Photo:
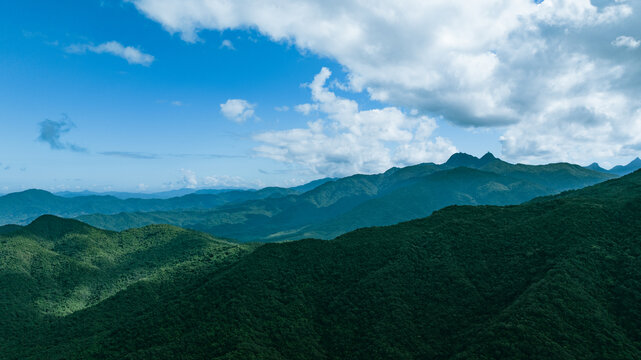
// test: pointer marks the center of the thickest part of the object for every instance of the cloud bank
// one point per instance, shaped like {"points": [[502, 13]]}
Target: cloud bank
{"points": [[350, 140], [557, 75]]}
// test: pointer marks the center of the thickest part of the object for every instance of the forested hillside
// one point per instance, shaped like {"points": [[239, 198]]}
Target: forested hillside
{"points": [[55, 267], [555, 278]]}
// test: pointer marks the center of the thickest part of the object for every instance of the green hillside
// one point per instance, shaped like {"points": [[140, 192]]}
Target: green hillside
{"points": [[342, 205], [55, 267], [555, 278]]}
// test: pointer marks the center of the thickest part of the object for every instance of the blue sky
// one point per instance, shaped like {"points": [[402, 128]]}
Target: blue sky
{"points": [[127, 95]]}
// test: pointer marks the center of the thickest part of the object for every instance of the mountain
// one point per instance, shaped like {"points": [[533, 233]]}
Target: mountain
{"points": [[25, 206], [342, 205], [312, 184], [618, 170], [634, 165], [130, 195], [6, 229], [55, 267], [555, 278], [596, 167]]}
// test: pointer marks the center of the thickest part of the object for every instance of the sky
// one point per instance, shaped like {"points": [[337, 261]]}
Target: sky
{"points": [[153, 95]]}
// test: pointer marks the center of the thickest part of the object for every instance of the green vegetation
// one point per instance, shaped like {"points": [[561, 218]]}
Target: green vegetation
{"points": [[555, 278], [339, 206], [55, 267], [6, 229]]}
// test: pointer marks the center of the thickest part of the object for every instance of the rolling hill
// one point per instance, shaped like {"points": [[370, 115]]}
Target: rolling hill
{"points": [[558, 277], [342, 205]]}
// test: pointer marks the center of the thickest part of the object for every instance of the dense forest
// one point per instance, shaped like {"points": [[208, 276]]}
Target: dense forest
{"points": [[555, 278]]}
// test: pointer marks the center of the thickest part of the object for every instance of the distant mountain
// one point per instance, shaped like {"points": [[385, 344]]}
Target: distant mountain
{"points": [[130, 195], [555, 278], [342, 205], [23, 207], [596, 167], [619, 170], [634, 165], [312, 185]]}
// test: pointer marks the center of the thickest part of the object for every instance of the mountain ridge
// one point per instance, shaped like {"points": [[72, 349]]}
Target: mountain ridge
{"points": [[619, 170], [23, 207], [336, 204]]}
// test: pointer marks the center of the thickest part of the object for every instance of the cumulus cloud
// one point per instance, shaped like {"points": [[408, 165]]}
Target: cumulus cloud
{"points": [[51, 132], [225, 181], [129, 53], [492, 63], [238, 110], [189, 180], [626, 41], [350, 140]]}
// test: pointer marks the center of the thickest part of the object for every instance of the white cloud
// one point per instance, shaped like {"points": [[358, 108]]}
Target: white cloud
{"points": [[306, 109], [283, 108], [238, 110], [190, 180], [131, 54], [225, 181], [351, 140], [488, 63], [227, 44], [626, 41]]}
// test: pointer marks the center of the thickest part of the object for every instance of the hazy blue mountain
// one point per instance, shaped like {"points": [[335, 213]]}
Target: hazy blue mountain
{"points": [[555, 278], [130, 195], [618, 170], [312, 185], [596, 167], [634, 165], [23, 207], [399, 194]]}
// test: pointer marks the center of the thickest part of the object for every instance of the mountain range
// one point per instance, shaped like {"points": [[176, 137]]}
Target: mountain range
{"points": [[558, 277], [618, 170], [25, 206], [345, 204]]}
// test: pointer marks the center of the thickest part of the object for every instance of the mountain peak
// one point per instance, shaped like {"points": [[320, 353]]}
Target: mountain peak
{"points": [[488, 156], [461, 158], [467, 160], [635, 162], [596, 167], [50, 226]]}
